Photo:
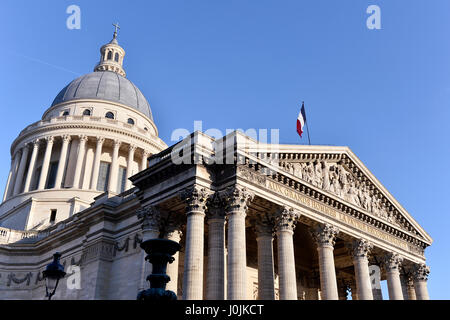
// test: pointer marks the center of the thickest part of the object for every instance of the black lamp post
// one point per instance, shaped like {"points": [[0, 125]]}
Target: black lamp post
{"points": [[52, 274], [159, 253]]}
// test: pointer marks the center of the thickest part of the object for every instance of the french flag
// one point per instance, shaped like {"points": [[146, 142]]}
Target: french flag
{"points": [[301, 120]]}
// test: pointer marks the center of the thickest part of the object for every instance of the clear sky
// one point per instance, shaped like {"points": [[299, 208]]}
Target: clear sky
{"points": [[248, 64]]}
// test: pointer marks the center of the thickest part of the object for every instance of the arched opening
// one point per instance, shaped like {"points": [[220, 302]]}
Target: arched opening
{"points": [[86, 112], [130, 121], [109, 115], [116, 57], [109, 55]]}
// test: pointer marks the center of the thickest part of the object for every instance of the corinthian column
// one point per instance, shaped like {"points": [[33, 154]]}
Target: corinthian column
{"points": [[96, 167], [359, 251], [215, 283], [237, 199], [14, 169], [114, 172], [285, 221], [144, 160], [131, 150], [325, 236], [195, 198], [62, 161], [420, 275], [392, 263], [21, 170], [80, 160], [32, 165], [46, 163], [264, 238]]}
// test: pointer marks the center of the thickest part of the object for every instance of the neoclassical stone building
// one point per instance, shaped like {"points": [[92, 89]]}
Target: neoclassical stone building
{"points": [[255, 221]]}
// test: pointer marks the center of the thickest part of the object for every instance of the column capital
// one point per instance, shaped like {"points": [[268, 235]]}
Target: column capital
{"points": [[117, 143], [237, 198], [145, 153], [66, 138], [360, 248], [172, 226], [150, 217], [264, 227], [215, 205], [83, 138], [36, 143], [286, 219], [392, 261], [132, 148], [195, 198], [325, 234], [421, 272], [100, 139], [50, 139]]}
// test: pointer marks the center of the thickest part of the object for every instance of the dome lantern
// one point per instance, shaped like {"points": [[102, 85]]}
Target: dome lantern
{"points": [[112, 56]]}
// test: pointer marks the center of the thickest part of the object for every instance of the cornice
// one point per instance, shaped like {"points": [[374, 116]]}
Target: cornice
{"points": [[81, 125]]}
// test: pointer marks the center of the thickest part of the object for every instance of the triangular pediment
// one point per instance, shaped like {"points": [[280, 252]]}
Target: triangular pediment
{"points": [[338, 172]]}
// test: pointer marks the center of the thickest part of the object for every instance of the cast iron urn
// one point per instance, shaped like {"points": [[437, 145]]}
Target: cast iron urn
{"points": [[159, 253]]}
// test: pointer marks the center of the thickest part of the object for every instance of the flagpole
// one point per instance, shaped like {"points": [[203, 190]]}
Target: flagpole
{"points": [[306, 122]]}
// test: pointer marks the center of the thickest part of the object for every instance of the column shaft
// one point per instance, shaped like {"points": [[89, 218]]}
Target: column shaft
{"points": [[215, 285], [8, 181], [130, 166], [266, 285], [237, 257], [144, 160], [286, 265], [193, 260], [420, 277], [46, 163], [14, 169], [362, 277], [62, 161], [392, 263], [96, 167], [21, 170], [80, 162], [325, 235], [31, 166], [114, 172]]}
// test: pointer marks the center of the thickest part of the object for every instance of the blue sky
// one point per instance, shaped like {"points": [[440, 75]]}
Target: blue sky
{"points": [[247, 64]]}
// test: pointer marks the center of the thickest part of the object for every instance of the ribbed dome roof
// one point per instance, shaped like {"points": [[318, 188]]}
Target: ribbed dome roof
{"points": [[105, 85]]}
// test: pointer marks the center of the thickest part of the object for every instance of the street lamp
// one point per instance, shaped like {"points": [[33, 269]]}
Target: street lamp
{"points": [[52, 274]]}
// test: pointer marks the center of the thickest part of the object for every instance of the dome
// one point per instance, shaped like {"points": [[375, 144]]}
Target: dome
{"points": [[105, 85]]}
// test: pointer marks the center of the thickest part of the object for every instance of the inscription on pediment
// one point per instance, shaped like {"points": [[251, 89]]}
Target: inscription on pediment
{"points": [[336, 179]]}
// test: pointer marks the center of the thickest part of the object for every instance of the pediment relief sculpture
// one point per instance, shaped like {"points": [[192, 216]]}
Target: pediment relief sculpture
{"points": [[334, 178]]}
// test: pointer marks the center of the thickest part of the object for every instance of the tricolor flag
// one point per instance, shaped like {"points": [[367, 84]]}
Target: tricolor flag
{"points": [[301, 120]]}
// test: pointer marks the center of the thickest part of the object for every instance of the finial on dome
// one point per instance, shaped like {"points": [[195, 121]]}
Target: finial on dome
{"points": [[112, 55], [116, 27]]}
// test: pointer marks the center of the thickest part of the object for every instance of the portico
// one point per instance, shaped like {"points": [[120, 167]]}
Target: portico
{"points": [[307, 216]]}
